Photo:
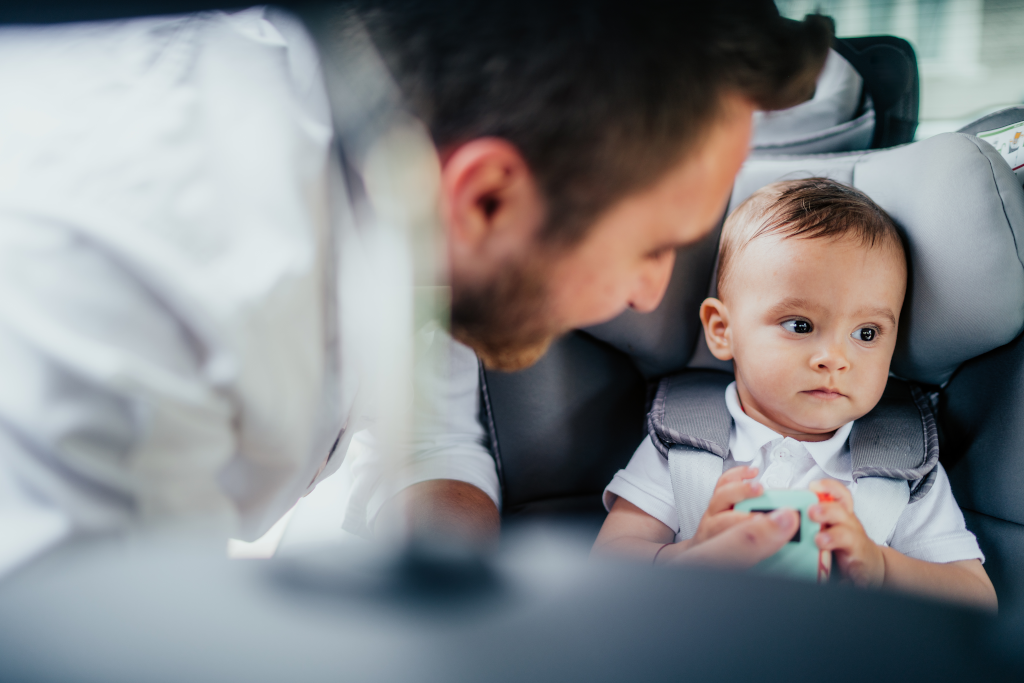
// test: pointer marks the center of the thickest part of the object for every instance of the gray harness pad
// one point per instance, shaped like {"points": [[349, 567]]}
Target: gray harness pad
{"points": [[689, 410], [898, 439], [892, 447]]}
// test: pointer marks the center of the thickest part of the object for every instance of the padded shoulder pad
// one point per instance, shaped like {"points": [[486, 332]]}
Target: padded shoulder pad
{"points": [[898, 439], [689, 410], [962, 212]]}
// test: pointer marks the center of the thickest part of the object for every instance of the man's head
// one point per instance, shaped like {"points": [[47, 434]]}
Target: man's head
{"points": [[560, 121], [811, 280]]}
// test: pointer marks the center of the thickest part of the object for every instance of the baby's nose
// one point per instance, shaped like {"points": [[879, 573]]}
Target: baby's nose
{"points": [[831, 358]]}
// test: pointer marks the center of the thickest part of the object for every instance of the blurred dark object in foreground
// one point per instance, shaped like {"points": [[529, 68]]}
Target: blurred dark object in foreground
{"points": [[537, 611]]}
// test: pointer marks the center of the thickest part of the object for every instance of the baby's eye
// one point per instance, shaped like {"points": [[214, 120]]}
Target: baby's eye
{"points": [[797, 326], [865, 334]]}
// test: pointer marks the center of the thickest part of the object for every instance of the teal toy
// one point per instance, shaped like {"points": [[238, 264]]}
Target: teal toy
{"points": [[800, 558]]}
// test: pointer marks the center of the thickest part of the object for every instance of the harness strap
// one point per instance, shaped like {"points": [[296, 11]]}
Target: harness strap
{"points": [[898, 439], [894, 448], [689, 410], [694, 474]]}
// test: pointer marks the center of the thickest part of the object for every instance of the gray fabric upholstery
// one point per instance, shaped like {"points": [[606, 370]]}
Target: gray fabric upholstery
{"points": [[703, 424], [982, 416], [844, 137], [563, 427], [898, 439], [838, 118]]}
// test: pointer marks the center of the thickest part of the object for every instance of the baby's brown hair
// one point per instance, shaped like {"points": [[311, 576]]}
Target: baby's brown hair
{"points": [[811, 208]]}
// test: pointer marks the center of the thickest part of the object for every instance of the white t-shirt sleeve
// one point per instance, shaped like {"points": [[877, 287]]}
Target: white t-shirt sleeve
{"points": [[933, 529], [450, 442], [646, 483]]}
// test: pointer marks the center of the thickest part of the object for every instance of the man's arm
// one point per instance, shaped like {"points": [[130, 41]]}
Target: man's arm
{"points": [[742, 542], [442, 507], [449, 481]]}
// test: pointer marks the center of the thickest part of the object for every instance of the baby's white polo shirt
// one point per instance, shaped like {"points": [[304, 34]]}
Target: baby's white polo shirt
{"points": [[931, 529]]}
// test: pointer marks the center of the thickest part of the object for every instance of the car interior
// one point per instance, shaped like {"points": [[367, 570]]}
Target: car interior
{"points": [[560, 430]]}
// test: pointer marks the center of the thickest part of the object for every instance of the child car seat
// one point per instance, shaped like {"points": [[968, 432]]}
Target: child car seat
{"points": [[962, 211], [889, 68], [839, 117], [867, 97]]}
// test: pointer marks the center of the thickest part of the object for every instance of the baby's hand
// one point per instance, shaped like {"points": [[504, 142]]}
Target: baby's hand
{"points": [[732, 487], [858, 557]]}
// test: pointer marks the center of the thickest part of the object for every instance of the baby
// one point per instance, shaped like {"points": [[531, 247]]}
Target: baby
{"points": [[811, 280]]}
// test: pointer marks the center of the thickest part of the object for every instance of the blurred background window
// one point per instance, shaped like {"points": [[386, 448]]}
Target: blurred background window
{"points": [[968, 51]]}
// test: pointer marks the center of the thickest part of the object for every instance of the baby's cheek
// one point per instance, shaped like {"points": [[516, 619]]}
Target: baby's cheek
{"points": [[774, 386], [873, 386], [777, 372]]}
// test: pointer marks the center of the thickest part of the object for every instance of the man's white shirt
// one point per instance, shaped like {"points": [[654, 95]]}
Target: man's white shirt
{"points": [[179, 276], [449, 440], [930, 529]]}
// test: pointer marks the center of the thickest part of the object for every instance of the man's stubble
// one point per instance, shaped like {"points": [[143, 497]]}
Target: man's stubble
{"points": [[507, 321]]}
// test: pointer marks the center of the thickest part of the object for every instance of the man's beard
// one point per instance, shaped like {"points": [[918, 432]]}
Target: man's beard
{"points": [[506, 321]]}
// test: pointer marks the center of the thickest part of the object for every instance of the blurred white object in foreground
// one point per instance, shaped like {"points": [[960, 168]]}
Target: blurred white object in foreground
{"points": [[191, 316]]}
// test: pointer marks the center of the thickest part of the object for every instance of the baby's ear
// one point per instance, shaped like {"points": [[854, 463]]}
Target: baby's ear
{"points": [[715, 317]]}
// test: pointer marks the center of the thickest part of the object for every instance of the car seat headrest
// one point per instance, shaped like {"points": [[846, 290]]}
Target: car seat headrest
{"points": [[962, 213], [838, 118]]}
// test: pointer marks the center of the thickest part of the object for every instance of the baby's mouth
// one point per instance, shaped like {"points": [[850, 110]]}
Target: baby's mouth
{"points": [[824, 393]]}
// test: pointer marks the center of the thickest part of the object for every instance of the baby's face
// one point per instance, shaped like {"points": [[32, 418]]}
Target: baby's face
{"points": [[811, 326]]}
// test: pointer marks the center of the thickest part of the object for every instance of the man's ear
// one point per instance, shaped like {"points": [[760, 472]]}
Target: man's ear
{"points": [[715, 317], [489, 198]]}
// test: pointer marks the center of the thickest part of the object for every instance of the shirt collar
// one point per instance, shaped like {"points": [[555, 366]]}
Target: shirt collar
{"points": [[752, 436]]}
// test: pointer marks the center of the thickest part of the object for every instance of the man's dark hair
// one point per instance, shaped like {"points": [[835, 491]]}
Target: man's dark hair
{"points": [[601, 98]]}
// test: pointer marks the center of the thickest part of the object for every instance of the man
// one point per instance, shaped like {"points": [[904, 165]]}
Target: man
{"points": [[172, 340], [565, 197]]}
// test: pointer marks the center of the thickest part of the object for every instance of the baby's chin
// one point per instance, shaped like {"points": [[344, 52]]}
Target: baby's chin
{"points": [[816, 426]]}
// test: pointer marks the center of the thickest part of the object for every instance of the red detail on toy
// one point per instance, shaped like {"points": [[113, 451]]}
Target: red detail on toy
{"points": [[825, 497]]}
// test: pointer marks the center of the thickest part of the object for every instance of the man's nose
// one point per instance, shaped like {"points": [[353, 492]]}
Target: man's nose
{"points": [[651, 285], [831, 356]]}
